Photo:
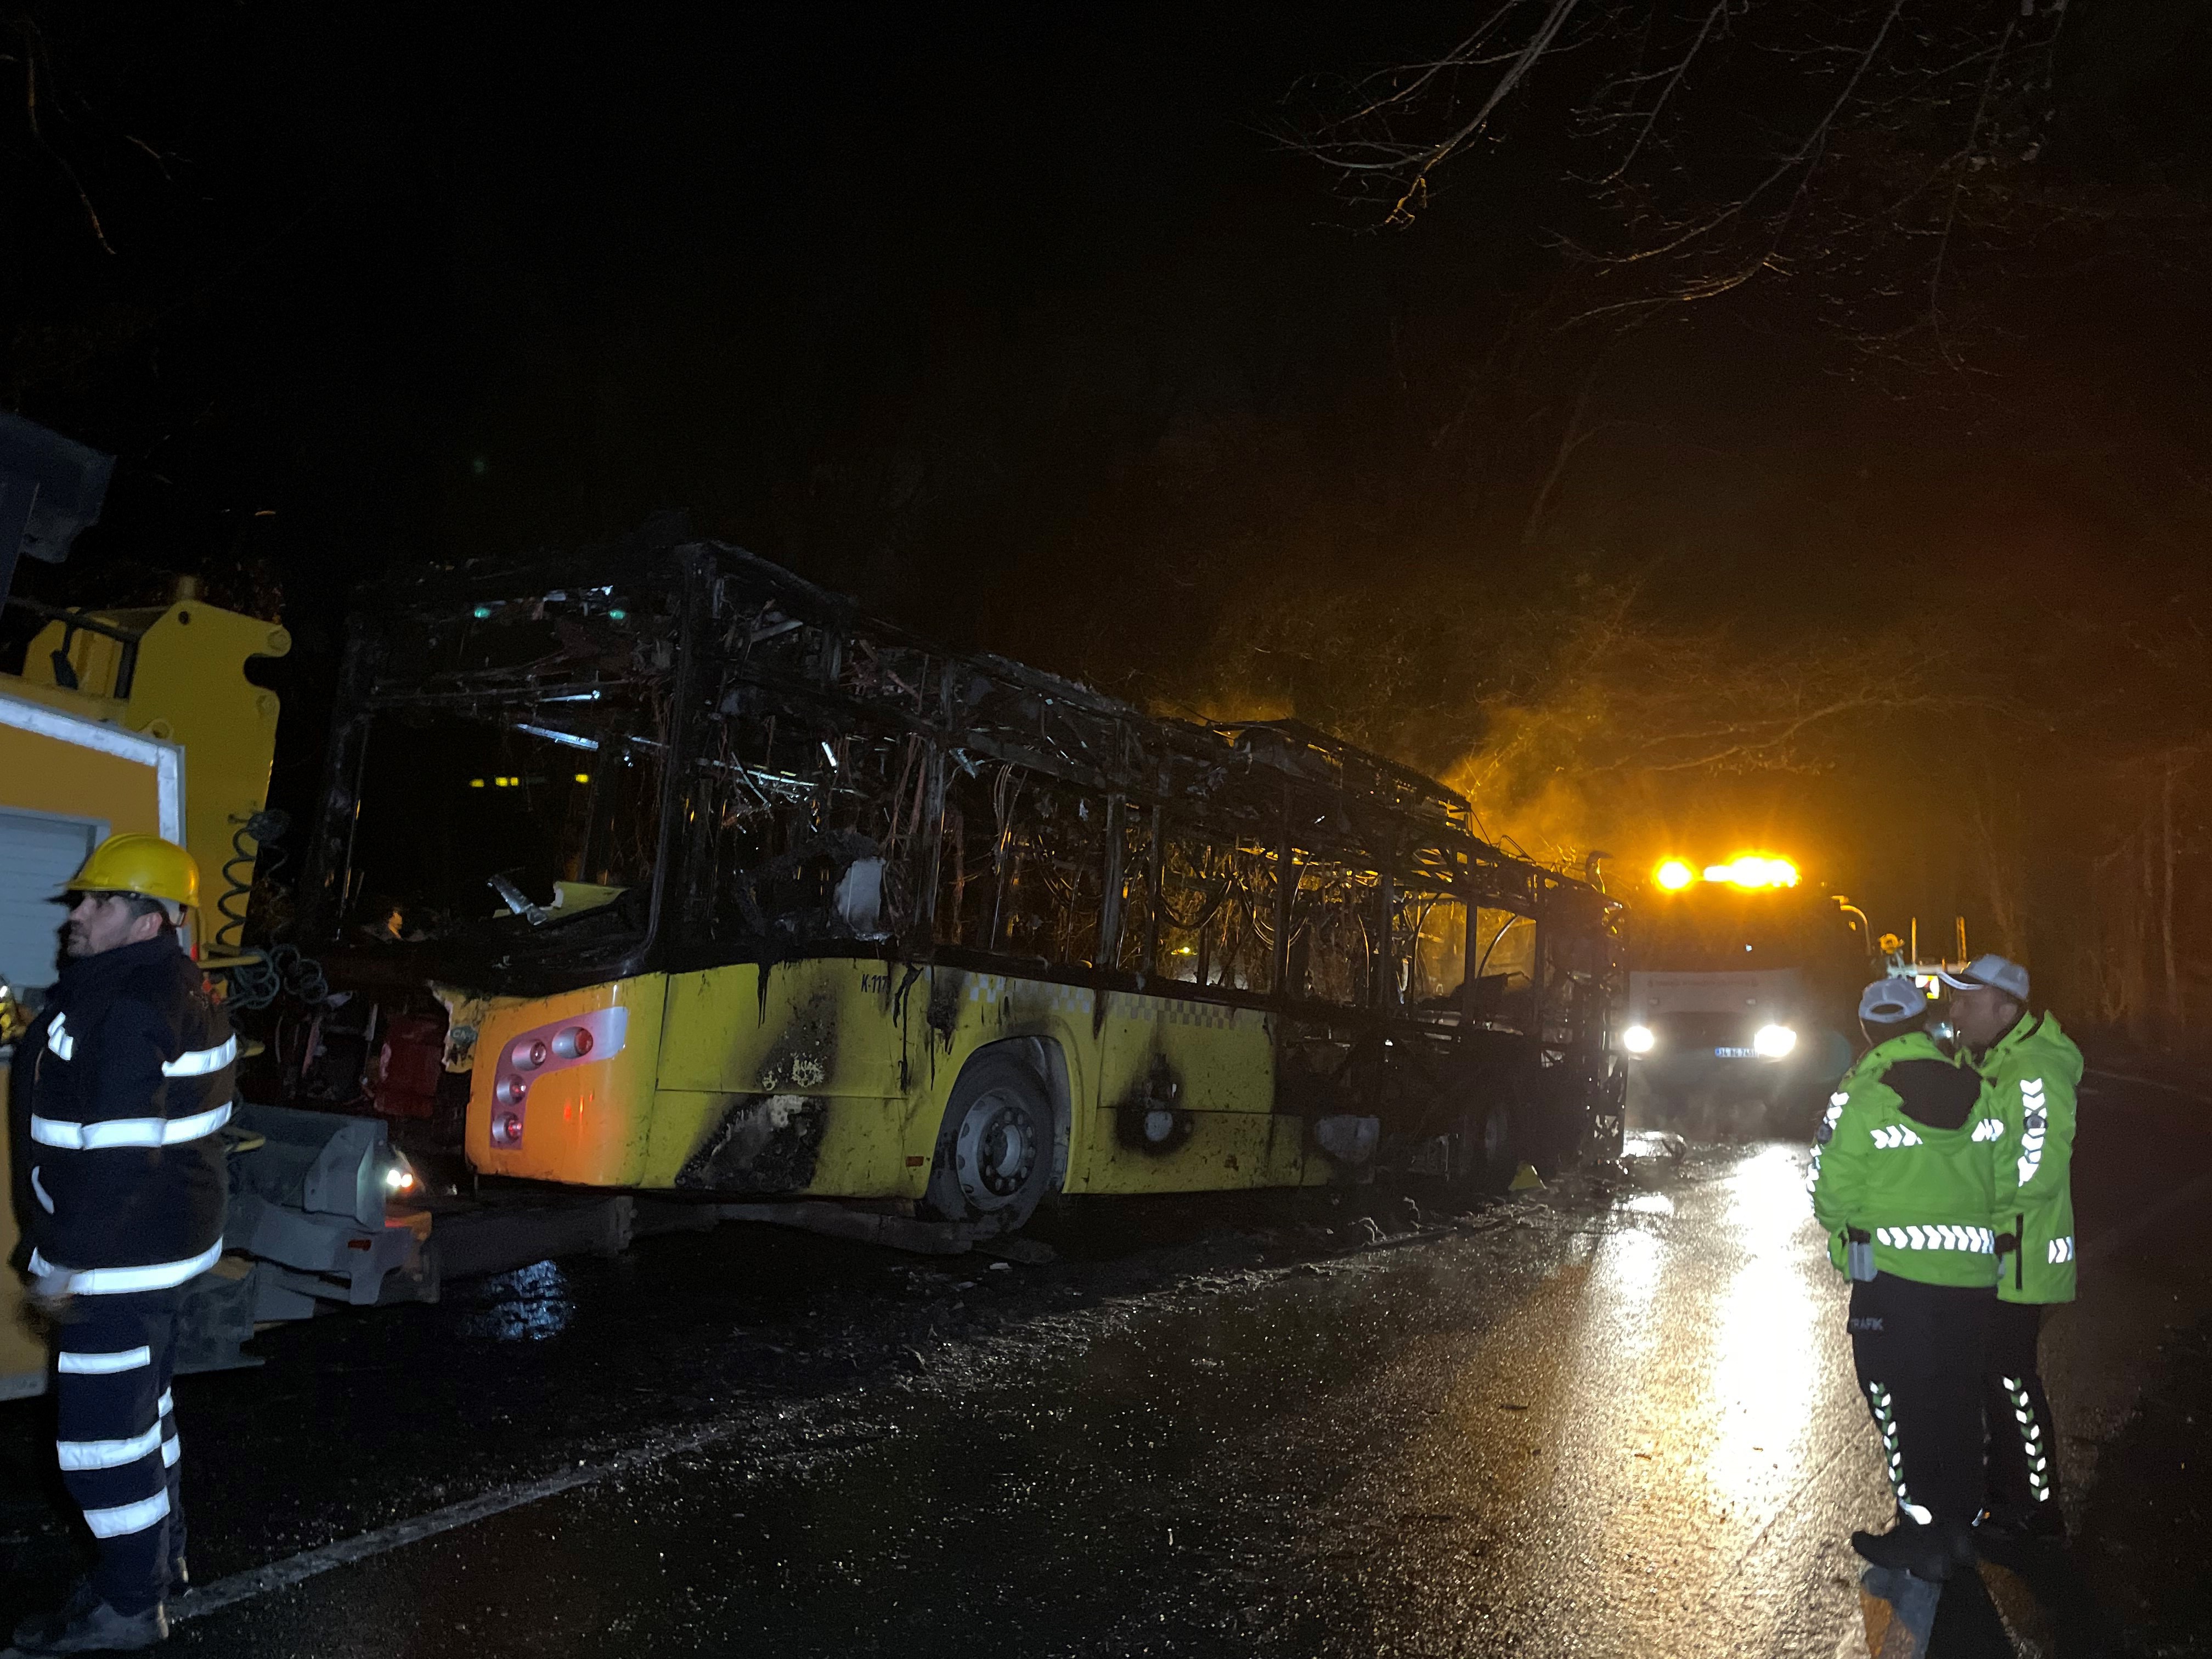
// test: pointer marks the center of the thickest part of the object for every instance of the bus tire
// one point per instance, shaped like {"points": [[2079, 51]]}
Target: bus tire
{"points": [[1490, 1141], [996, 1146], [1502, 1131], [1606, 1137]]}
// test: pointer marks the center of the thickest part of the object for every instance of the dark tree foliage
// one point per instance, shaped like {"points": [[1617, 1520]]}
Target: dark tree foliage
{"points": [[1983, 214], [1890, 157]]}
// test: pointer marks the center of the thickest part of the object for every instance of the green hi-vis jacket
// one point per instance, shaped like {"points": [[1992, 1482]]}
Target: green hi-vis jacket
{"points": [[2028, 1079], [1925, 1197]]}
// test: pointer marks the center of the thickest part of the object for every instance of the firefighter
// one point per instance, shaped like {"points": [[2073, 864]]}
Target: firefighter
{"points": [[2030, 1069], [1904, 1186], [130, 1080]]}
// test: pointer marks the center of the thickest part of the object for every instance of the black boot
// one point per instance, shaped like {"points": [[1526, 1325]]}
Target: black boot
{"points": [[80, 1601], [1926, 1549], [94, 1629], [2043, 1522]]}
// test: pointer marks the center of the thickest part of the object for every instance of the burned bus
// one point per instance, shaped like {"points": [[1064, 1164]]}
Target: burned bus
{"points": [[664, 869]]}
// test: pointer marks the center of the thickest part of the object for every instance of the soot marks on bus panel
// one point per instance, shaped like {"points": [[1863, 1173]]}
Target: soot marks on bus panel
{"points": [[764, 1144]]}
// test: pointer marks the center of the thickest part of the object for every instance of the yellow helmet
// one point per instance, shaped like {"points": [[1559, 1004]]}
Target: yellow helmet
{"points": [[140, 864]]}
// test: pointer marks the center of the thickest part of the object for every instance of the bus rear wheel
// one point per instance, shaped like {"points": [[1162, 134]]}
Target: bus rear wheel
{"points": [[996, 1148], [1490, 1143]]}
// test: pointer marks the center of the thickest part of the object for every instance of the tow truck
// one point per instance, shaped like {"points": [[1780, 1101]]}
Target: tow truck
{"points": [[151, 718], [1739, 995]]}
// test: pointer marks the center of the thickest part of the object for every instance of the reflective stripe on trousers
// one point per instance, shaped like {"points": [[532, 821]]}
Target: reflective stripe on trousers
{"points": [[116, 1440], [100, 1365], [109, 1453], [130, 1281], [1885, 1419], [2031, 1439], [121, 1520]]}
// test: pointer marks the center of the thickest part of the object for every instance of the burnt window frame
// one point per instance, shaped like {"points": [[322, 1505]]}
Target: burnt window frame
{"points": [[1254, 786]]}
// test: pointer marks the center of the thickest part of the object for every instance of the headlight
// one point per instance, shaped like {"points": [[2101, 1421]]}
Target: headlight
{"points": [[1773, 1041], [399, 1177], [1637, 1039]]}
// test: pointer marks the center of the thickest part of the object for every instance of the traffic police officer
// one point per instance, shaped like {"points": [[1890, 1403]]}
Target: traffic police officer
{"points": [[2030, 1069], [1905, 1185], [130, 1080]]}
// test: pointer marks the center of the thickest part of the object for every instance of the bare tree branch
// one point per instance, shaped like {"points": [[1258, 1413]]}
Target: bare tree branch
{"points": [[33, 54]]}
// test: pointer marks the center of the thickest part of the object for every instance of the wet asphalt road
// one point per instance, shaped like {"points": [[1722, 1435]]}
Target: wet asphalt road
{"points": [[1613, 1421]]}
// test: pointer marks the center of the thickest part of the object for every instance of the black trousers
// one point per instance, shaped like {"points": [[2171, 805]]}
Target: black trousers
{"points": [[2023, 1435], [116, 1439], [1919, 1350]]}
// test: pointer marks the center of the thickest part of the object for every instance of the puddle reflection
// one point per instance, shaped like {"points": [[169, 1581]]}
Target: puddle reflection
{"points": [[527, 1305], [1767, 1357]]}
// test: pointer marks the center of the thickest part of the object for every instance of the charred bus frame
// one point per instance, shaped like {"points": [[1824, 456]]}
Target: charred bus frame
{"points": [[826, 784]]}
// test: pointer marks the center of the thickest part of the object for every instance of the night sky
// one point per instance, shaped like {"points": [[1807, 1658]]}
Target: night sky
{"points": [[1029, 328]]}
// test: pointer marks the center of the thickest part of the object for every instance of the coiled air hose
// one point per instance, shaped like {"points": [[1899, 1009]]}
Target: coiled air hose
{"points": [[261, 829], [258, 977]]}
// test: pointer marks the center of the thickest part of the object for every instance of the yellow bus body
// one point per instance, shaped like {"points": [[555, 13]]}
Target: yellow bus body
{"points": [[875, 1047]]}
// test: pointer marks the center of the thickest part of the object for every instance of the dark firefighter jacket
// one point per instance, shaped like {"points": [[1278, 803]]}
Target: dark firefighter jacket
{"points": [[129, 1079]]}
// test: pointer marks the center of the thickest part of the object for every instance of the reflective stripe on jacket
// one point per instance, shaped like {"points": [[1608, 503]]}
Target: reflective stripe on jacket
{"points": [[130, 1084], [2029, 1077]]}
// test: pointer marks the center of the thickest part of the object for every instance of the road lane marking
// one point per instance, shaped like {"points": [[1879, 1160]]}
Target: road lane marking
{"points": [[309, 1563], [1736, 1567], [2145, 1083], [293, 1570]]}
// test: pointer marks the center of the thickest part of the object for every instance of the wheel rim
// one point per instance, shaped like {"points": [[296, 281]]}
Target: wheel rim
{"points": [[997, 1150]]}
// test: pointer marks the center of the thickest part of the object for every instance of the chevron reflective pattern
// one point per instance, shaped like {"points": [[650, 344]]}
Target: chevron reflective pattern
{"points": [[2062, 1249], [1836, 1102], [2034, 1118], [1895, 1135], [1980, 1241], [2031, 1439], [1988, 1128], [1885, 1419]]}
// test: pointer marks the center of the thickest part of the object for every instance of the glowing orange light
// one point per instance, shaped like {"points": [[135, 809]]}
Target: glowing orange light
{"points": [[1753, 871], [1674, 875]]}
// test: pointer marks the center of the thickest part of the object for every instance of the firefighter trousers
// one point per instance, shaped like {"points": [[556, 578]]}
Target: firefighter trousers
{"points": [[2023, 1438], [116, 1439], [1918, 1350]]}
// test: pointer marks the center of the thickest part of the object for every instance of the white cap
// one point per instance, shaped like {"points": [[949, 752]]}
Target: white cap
{"points": [[1892, 1002], [1994, 973]]}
